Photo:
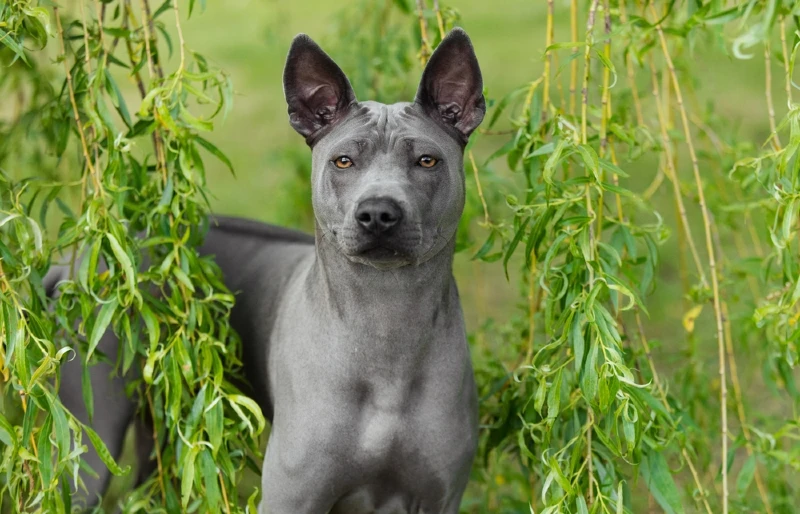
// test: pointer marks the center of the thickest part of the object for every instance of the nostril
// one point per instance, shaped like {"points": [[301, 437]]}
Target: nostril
{"points": [[378, 215]]}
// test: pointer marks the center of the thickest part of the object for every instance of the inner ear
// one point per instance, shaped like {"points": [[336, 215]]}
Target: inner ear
{"points": [[317, 91], [451, 89]]}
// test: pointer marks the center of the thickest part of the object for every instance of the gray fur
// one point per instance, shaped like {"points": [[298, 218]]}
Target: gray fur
{"points": [[354, 340]]}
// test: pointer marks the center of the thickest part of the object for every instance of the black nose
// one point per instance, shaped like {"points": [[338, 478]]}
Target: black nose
{"points": [[377, 215]]}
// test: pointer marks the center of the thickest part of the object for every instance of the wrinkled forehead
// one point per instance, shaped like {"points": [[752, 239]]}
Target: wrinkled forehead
{"points": [[384, 128]]}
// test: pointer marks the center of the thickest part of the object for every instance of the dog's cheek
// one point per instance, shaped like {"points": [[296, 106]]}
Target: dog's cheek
{"points": [[328, 206]]}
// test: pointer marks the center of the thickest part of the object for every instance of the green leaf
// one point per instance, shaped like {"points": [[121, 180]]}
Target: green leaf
{"points": [[746, 475], [196, 123], [209, 472], [503, 103], [659, 480], [124, 260], [487, 247], [216, 152], [187, 476], [590, 160], [101, 323], [44, 445], [610, 65], [214, 418], [589, 379], [513, 244], [723, 17], [183, 278], [581, 504], [8, 435], [152, 324], [578, 342], [60, 425], [554, 397], [118, 100], [105, 456], [15, 47], [86, 390], [249, 404]]}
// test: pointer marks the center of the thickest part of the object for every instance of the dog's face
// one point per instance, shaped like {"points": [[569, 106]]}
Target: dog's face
{"points": [[387, 180]]}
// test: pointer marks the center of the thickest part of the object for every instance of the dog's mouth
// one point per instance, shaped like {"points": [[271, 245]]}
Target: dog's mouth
{"points": [[381, 251], [391, 249]]}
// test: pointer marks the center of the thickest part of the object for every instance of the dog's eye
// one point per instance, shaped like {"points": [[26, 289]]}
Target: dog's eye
{"points": [[426, 161], [343, 162]]}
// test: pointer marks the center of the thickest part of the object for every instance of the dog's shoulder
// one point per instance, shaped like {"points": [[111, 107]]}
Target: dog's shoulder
{"points": [[258, 230]]}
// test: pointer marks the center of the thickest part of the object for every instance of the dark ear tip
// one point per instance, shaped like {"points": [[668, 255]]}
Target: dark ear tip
{"points": [[302, 42], [458, 35]]}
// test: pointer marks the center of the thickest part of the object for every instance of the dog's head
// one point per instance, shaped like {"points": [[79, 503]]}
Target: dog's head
{"points": [[387, 180]]}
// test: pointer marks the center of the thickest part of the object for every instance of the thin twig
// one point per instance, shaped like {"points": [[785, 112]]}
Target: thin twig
{"points": [[71, 90], [547, 62], [589, 210], [224, 492], [586, 68], [486, 220], [180, 34], [151, 33], [101, 10], [439, 19], [776, 142], [573, 67], [425, 50], [786, 67], [711, 258], [130, 18], [605, 110], [637, 104], [673, 176], [93, 130]]}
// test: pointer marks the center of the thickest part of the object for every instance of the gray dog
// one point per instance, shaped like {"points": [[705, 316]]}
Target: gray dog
{"points": [[354, 340]]}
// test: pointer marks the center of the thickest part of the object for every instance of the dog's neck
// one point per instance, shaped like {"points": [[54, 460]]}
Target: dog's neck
{"points": [[400, 307]]}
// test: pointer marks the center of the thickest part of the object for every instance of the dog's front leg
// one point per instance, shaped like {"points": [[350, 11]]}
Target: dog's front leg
{"points": [[303, 489]]}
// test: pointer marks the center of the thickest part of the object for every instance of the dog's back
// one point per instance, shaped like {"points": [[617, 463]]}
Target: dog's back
{"points": [[260, 259]]}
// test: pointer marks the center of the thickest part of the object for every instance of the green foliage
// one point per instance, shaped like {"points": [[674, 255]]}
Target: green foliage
{"points": [[609, 189], [131, 264], [574, 398]]}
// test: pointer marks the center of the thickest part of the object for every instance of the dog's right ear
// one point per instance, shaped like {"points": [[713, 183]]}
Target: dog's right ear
{"points": [[451, 89], [316, 89]]}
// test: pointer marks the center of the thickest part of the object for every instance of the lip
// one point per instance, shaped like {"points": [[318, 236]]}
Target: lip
{"points": [[380, 253]]}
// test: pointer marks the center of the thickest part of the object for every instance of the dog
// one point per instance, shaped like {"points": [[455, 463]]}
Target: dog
{"points": [[354, 342]]}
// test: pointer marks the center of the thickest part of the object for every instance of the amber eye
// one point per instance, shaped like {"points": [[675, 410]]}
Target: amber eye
{"points": [[343, 162], [426, 161]]}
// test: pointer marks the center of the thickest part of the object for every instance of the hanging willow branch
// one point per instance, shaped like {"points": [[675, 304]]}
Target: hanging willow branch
{"points": [[142, 221]]}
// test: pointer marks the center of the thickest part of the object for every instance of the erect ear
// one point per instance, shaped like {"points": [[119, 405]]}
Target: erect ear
{"points": [[317, 91], [451, 89]]}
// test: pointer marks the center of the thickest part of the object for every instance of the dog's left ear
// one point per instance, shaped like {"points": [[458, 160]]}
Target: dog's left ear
{"points": [[451, 89], [317, 90]]}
